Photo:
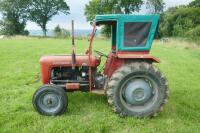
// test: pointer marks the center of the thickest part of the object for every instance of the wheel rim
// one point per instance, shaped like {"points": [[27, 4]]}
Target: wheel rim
{"points": [[138, 93], [49, 102]]}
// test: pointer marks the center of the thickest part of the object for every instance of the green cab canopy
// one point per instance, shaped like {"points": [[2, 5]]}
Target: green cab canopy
{"points": [[131, 32]]}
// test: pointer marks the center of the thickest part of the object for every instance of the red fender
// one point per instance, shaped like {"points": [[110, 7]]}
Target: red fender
{"points": [[137, 55], [115, 61]]}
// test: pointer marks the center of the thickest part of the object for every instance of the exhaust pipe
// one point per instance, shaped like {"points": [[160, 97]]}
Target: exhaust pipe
{"points": [[73, 48]]}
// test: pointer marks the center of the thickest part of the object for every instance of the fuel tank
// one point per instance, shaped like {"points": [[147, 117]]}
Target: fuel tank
{"points": [[48, 62]]}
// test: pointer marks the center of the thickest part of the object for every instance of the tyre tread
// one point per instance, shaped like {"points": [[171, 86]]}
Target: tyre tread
{"points": [[122, 72]]}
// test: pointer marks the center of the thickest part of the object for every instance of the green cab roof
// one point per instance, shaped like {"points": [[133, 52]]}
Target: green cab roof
{"points": [[118, 17], [133, 32]]}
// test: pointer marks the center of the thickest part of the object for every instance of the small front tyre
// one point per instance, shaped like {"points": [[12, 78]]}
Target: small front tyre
{"points": [[50, 100]]}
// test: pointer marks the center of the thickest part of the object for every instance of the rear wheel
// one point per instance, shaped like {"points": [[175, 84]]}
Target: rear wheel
{"points": [[50, 100], [137, 89]]}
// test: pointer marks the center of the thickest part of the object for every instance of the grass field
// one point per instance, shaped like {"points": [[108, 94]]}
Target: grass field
{"points": [[19, 78]]}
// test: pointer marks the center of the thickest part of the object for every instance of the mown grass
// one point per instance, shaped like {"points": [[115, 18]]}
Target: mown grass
{"points": [[19, 78]]}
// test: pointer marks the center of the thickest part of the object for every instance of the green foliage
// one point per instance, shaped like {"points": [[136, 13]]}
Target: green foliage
{"points": [[195, 3], [11, 28], [106, 31], [57, 31], [66, 33], [195, 32], [155, 6], [180, 21], [61, 33], [41, 11], [96, 7], [17, 12], [14, 17], [110, 7], [127, 6]]}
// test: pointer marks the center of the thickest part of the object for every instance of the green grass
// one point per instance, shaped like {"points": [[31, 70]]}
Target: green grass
{"points": [[19, 78]]}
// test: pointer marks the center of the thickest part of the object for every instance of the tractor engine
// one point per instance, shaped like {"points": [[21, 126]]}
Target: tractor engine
{"points": [[64, 75], [67, 73], [59, 71]]}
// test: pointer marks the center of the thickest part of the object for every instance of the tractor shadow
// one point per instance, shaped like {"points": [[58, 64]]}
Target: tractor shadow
{"points": [[82, 102]]}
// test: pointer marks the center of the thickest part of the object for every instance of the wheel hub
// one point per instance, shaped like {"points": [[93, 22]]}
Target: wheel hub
{"points": [[137, 92], [49, 102]]}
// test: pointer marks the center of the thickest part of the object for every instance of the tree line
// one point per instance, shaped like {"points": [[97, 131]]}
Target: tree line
{"points": [[16, 13], [177, 21], [181, 21]]}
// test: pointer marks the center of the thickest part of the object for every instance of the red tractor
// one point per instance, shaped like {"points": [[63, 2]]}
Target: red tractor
{"points": [[133, 85]]}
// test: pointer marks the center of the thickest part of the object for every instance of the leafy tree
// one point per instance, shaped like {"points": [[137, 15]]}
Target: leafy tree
{"points": [[181, 21], [41, 11], [61, 33], [96, 7], [155, 6], [10, 28], [127, 6], [57, 31], [14, 16], [65, 33], [111, 6], [195, 3], [106, 31], [194, 32]]}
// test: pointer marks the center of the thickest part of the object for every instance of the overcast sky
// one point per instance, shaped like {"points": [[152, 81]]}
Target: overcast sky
{"points": [[77, 14]]}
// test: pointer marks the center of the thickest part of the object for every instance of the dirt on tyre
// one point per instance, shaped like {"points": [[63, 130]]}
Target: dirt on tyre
{"points": [[50, 100], [137, 89]]}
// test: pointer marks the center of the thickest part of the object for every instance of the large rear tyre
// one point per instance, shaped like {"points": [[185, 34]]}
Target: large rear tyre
{"points": [[137, 89], [50, 100]]}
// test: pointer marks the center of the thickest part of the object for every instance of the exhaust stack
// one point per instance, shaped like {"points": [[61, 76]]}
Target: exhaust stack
{"points": [[73, 47]]}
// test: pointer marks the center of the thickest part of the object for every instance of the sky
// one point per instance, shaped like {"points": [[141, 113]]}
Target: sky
{"points": [[77, 14]]}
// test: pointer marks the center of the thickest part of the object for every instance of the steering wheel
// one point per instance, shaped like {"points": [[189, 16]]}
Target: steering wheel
{"points": [[100, 53]]}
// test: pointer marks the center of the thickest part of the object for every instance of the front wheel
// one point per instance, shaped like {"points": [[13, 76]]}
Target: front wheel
{"points": [[137, 89], [50, 100]]}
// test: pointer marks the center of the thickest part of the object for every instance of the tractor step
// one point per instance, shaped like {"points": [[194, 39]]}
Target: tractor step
{"points": [[98, 91]]}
